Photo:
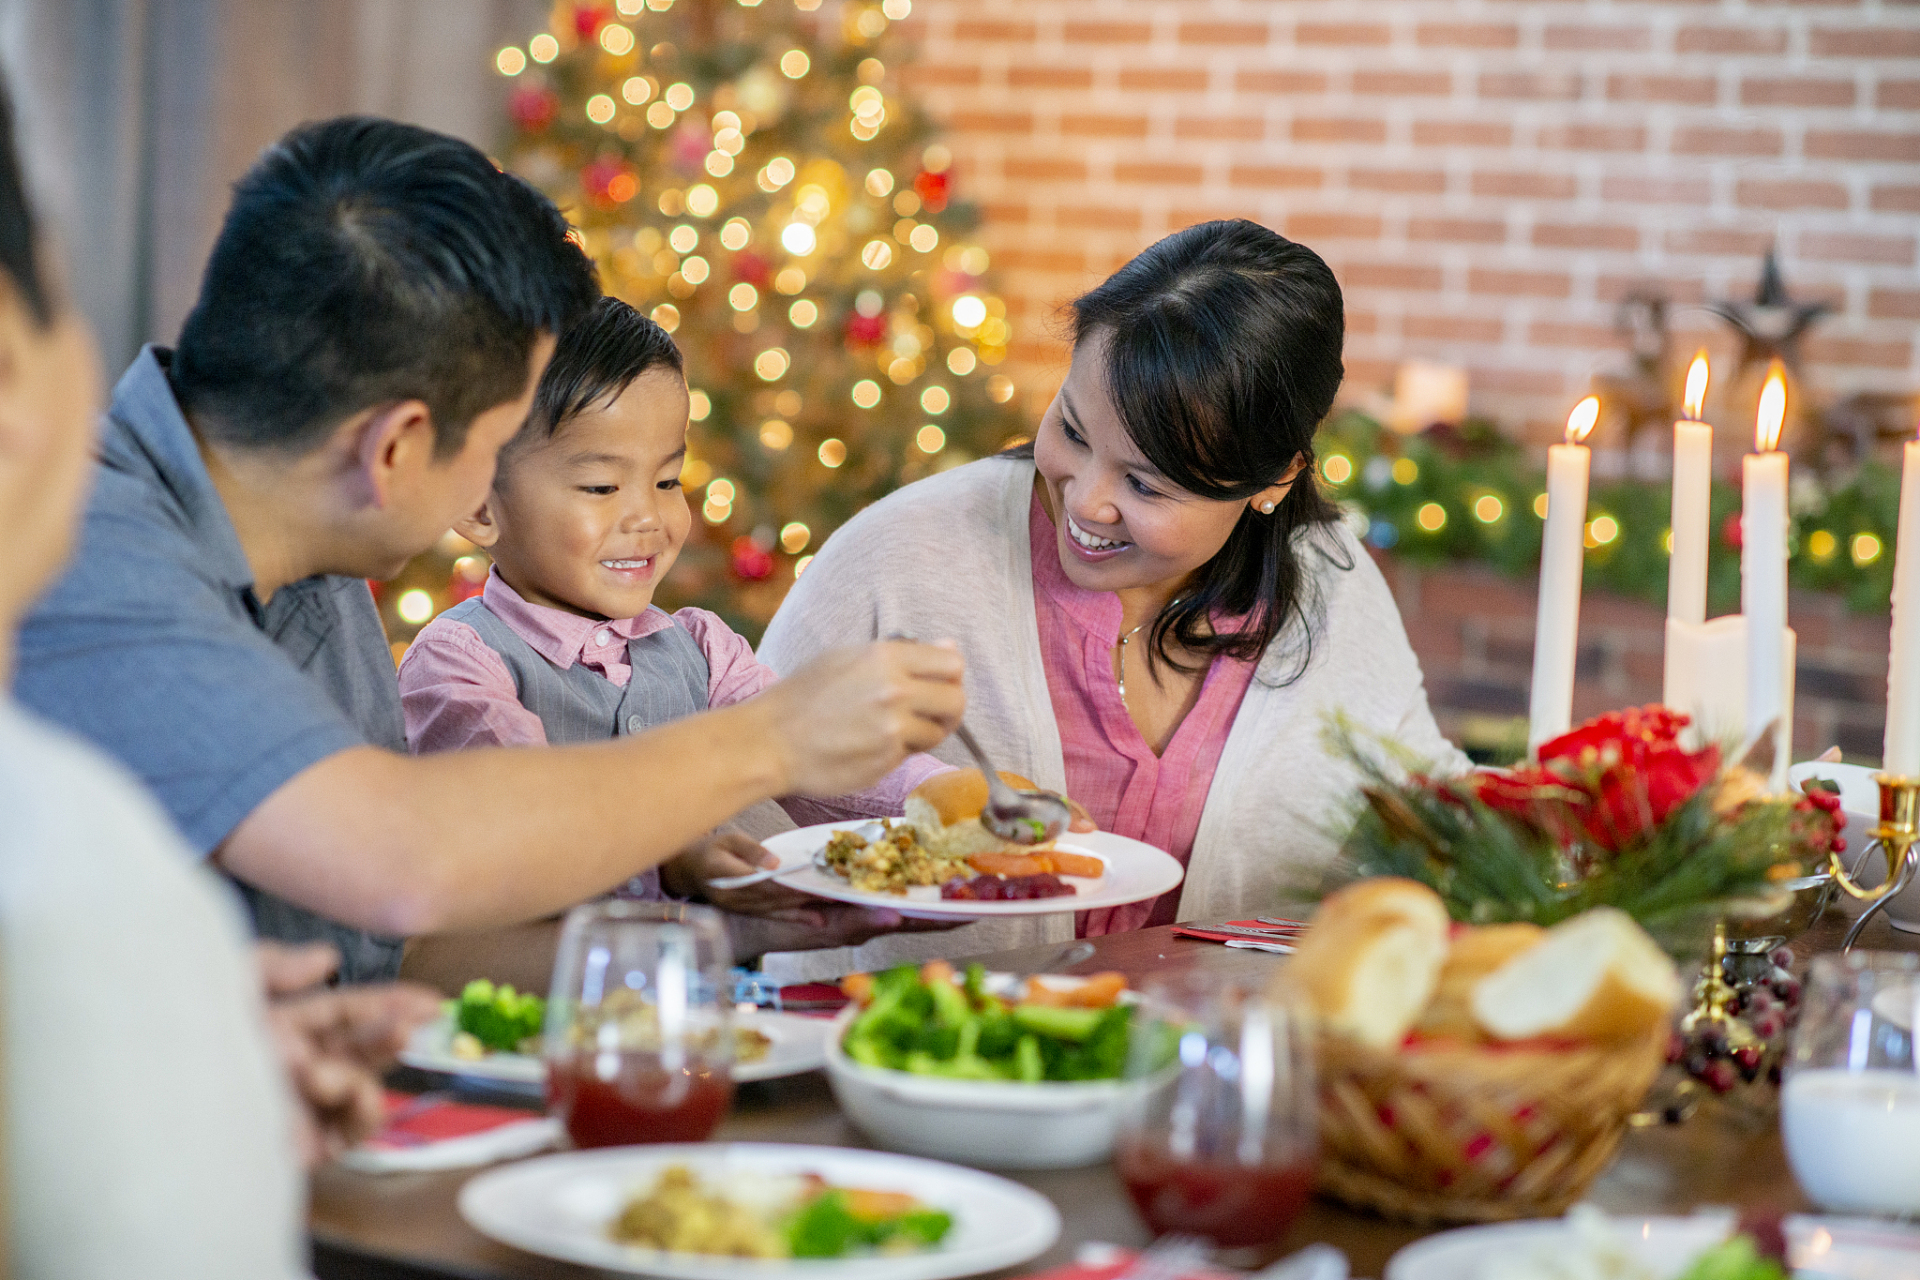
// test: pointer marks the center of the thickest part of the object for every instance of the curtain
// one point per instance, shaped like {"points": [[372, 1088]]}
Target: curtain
{"points": [[136, 116]]}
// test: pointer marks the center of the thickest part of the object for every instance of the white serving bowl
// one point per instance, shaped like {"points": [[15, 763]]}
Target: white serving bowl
{"points": [[1860, 801], [988, 1123]]}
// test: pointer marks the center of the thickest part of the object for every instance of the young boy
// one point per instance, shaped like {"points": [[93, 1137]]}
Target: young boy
{"points": [[565, 645]]}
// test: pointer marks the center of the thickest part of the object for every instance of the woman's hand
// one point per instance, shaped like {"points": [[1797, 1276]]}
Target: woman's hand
{"points": [[334, 1042]]}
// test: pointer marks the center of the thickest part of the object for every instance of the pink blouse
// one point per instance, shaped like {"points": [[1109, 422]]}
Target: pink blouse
{"points": [[1111, 770]]}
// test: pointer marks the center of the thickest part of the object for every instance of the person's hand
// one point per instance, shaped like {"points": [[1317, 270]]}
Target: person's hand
{"points": [[823, 924], [717, 857], [334, 1042], [846, 718]]}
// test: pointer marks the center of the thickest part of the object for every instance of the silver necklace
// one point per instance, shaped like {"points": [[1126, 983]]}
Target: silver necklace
{"points": [[1123, 642]]}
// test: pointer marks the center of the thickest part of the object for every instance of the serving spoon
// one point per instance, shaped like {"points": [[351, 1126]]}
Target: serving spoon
{"points": [[1018, 817]]}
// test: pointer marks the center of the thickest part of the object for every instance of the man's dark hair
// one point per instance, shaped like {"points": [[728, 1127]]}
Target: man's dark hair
{"points": [[19, 238], [595, 360], [364, 262]]}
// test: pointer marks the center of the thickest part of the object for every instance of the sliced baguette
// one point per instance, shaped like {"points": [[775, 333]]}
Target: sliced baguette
{"points": [[1597, 977], [1369, 960], [1473, 952]]}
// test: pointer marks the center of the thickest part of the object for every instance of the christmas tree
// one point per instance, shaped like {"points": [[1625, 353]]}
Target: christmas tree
{"points": [[748, 173]]}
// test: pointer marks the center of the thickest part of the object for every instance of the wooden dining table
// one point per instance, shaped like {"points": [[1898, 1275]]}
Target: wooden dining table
{"points": [[406, 1226]]}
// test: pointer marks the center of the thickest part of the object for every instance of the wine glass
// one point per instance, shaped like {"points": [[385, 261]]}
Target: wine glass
{"points": [[1850, 1105], [639, 1039], [1219, 1137]]}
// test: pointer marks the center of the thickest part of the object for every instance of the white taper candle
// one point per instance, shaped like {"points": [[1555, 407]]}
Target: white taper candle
{"points": [[1556, 637]]}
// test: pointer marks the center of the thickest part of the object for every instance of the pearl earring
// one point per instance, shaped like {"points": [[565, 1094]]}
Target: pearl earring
{"points": [[1266, 508]]}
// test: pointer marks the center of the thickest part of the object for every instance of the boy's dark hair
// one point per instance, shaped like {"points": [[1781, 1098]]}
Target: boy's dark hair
{"points": [[363, 262], [610, 347], [19, 241]]}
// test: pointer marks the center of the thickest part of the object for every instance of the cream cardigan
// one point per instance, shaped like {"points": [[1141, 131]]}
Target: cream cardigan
{"points": [[948, 557]]}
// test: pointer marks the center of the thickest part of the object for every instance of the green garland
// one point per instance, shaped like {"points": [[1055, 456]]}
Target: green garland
{"points": [[1469, 494]]}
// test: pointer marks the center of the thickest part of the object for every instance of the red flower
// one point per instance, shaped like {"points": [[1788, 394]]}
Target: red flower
{"points": [[1633, 770]]}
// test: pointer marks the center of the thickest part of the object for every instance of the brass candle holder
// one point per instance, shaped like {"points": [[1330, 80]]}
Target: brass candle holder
{"points": [[1895, 835]]}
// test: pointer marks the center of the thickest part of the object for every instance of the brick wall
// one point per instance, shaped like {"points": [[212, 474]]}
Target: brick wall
{"points": [[1487, 177], [1473, 630]]}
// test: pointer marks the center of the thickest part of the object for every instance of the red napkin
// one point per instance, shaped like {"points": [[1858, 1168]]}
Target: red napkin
{"points": [[1121, 1260], [1279, 933], [813, 997], [431, 1131]]}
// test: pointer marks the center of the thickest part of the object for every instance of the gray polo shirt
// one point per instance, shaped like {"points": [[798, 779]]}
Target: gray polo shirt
{"points": [[154, 646]]}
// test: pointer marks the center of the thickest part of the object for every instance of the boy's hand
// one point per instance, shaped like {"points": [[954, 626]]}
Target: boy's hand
{"points": [[842, 721], [686, 874]]}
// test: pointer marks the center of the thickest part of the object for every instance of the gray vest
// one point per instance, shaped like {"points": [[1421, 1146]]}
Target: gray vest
{"points": [[669, 681]]}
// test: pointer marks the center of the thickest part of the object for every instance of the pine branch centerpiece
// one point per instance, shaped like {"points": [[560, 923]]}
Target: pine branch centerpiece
{"points": [[1617, 812]]}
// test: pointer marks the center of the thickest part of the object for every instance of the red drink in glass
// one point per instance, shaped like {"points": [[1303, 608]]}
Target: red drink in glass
{"points": [[638, 1101], [1234, 1205]]}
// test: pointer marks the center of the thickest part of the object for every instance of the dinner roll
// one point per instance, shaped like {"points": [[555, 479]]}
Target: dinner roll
{"points": [[945, 810], [1369, 960], [1473, 952], [1597, 976]]}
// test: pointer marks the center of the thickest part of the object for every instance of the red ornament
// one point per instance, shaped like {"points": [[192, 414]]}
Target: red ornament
{"points": [[589, 18], [750, 560], [608, 181], [533, 107], [932, 190], [865, 331], [1730, 530], [752, 268]]}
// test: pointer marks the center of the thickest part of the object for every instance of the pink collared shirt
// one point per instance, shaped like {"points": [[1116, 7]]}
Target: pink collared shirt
{"points": [[456, 692], [1111, 770]]}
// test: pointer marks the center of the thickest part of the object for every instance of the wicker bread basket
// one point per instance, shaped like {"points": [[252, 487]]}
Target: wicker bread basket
{"points": [[1449, 1132]]}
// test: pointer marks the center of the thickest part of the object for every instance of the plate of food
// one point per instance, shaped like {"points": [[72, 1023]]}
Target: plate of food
{"points": [[937, 860], [751, 1211], [492, 1033], [985, 1068], [1587, 1244]]}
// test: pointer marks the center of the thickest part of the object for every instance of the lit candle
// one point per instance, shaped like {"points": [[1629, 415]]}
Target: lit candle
{"points": [[1902, 747], [1692, 490], [1763, 569], [1556, 635]]}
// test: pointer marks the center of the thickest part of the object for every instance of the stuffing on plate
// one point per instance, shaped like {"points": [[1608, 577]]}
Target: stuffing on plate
{"points": [[893, 863], [792, 1216]]}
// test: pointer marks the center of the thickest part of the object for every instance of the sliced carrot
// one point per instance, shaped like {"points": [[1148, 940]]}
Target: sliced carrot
{"points": [[1010, 864], [878, 1206], [858, 987], [1097, 992], [936, 971], [1076, 864]]}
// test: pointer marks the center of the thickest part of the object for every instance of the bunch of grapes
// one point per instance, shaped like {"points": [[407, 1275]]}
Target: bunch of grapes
{"points": [[1752, 1038]]}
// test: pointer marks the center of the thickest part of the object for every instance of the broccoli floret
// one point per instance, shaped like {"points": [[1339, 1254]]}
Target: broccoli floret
{"points": [[499, 1017]]}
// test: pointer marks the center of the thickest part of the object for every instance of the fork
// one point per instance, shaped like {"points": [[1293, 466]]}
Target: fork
{"points": [[1168, 1258]]}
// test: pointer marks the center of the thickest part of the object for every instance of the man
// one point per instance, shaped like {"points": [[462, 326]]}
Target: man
{"points": [[377, 309], [147, 1127]]}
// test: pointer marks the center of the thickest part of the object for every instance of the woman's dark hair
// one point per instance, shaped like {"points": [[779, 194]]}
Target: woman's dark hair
{"points": [[594, 361], [362, 262], [19, 239], [1223, 357]]}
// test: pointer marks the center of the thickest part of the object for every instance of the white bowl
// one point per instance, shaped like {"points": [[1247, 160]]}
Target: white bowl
{"points": [[989, 1123], [1860, 801]]}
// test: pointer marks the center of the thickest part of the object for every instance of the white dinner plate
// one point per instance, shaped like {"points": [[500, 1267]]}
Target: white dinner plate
{"points": [[560, 1206], [1135, 873], [799, 1044], [1821, 1248]]}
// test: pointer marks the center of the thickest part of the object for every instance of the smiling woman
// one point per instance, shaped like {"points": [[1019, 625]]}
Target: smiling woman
{"points": [[1159, 610]]}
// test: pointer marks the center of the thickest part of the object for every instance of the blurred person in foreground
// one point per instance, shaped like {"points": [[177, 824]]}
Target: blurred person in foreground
{"points": [[376, 312], [148, 1129]]}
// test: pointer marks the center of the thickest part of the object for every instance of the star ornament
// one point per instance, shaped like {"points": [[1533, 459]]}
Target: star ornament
{"points": [[1772, 325]]}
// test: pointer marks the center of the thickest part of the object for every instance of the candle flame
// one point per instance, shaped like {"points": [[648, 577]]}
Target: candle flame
{"points": [[1773, 410], [1696, 397], [1580, 421]]}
